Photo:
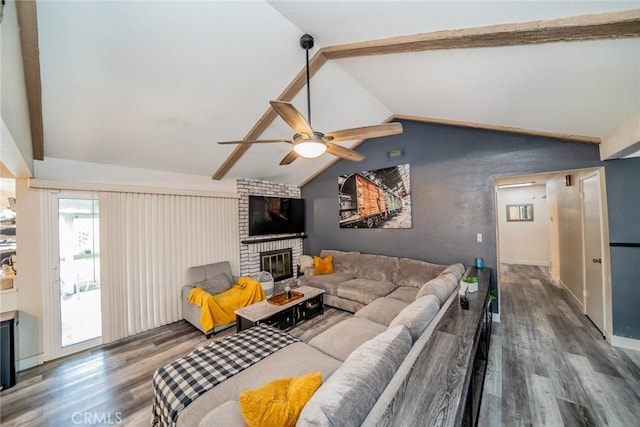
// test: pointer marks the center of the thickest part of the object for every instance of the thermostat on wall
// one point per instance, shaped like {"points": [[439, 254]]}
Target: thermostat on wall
{"points": [[395, 153]]}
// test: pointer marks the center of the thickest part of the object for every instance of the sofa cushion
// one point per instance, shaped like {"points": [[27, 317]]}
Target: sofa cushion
{"points": [[457, 269], [200, 273], [442, 287], [327, 282], [307, 266], [343, 262], [415, 273], [348, 395], [376, 267], [295, 359], [383, 310], [364, 290], [228, 414], [417, 315], [404, 293], [217, 284], [342, 338]]}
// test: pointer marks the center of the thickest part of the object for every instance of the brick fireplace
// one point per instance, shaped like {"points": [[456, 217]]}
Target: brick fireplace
{"points": [[251, 252]]}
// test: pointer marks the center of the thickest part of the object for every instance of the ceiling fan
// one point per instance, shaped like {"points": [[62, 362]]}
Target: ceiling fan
{"points": [[309, 143]]}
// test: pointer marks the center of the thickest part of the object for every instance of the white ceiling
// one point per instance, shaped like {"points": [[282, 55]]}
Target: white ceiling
{"points": [[154, 85]]}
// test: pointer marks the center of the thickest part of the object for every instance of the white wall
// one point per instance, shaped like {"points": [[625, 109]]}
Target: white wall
{"points": [[76, 171], [13, 105], [29, 280], [566, 214], [524, 242]]}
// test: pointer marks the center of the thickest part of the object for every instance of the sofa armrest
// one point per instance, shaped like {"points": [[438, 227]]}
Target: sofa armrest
{"points": [[190, 312], [185, 292]]}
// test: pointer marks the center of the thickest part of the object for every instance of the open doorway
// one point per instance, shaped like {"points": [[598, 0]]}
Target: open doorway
{"points": [[554, 238]]}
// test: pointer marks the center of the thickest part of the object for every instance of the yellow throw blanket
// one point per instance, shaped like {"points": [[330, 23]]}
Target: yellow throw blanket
{"points": [[216, 310]]}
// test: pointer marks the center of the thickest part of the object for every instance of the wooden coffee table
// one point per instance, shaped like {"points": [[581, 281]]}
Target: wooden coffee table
{"points": [[283, 316]]}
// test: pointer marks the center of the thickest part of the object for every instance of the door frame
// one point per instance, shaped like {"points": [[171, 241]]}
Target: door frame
{"points": [[607, 316], [52, 330], [604, 221]]}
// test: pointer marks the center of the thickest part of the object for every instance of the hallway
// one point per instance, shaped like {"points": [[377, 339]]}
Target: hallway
{"points": [[548, 365]]}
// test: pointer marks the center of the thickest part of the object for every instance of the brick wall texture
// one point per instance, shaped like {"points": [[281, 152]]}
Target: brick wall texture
{"points": [[250, 253]]}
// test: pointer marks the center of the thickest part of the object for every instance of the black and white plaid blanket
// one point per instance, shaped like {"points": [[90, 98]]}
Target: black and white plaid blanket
{"points": [[181, 382]]}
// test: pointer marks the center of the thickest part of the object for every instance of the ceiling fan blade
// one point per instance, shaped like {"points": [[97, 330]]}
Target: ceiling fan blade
{"points": [[289, 158], [258, 141], [292, 116], [344, 153], [365, 132]]}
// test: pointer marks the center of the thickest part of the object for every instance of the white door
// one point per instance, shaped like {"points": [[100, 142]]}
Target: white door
{"points": [[74, 303], [592, 232]]}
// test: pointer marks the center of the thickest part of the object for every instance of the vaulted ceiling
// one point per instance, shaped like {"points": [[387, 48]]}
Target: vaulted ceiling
{"points": [[154, 85]]}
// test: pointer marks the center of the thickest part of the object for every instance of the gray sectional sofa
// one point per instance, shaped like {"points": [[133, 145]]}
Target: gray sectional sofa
{"points": [[363, 359], [361, 279]]}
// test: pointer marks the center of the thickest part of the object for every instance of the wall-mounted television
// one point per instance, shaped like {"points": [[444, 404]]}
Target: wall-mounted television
{"points": [[275, 215]]}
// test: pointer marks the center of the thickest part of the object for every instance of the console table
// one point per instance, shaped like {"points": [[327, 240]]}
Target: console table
{"points": [[446, 381]]}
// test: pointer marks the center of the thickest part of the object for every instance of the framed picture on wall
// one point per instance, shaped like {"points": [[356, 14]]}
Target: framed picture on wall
{"points": [[379, 198]]}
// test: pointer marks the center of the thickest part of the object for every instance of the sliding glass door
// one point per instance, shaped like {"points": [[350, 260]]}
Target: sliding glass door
{"points": [[75, 300]]}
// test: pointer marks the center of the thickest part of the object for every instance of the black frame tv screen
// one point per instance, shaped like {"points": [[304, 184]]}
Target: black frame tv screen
{"points": [[275, 215]]}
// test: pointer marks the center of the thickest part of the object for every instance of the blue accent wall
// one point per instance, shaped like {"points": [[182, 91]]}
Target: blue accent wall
{"points": [[452, 185], [623, 200]]}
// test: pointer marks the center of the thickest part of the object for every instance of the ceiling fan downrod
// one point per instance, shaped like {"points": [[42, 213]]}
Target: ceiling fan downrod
{"points": [[306, 42]]}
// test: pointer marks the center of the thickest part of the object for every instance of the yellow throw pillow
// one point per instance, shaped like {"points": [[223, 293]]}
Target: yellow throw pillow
{"points": [[323, 265], [278, 403]]}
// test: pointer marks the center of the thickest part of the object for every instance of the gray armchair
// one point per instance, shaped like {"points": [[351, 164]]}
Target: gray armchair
{"points": [[214, 278]]}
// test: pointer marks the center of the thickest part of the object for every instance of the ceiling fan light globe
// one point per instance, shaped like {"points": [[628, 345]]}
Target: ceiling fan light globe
{"points": [[310, 149]]}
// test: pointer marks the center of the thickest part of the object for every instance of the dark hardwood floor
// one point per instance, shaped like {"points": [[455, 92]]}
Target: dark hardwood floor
{"points": [[549, 365], [111, 385]]}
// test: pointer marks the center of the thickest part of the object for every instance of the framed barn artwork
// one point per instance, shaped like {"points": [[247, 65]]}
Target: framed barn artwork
{"points": [[379, 198]]}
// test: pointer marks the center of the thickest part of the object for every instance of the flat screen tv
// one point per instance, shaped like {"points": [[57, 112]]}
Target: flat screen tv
{"points": [[275, 215]]}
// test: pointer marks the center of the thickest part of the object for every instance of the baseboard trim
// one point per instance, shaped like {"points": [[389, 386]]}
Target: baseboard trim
{"points": [[525, 262], [29, 362], [575, 298], [624, 342]]}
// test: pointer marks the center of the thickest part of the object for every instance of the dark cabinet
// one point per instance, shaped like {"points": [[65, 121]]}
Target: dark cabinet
{"points": [[292, 316], [7, 349], [479, 367]]}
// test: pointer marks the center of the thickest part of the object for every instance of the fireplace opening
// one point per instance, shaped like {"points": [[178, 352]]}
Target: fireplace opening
{"points": [[279, 263]]}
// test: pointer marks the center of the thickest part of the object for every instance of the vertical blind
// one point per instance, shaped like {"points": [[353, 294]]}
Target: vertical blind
{"points": [[148, 241]]}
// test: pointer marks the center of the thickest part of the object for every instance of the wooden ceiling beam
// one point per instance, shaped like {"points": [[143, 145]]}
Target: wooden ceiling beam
{"points": [[521, 131], [28, 23], [586, 27]]}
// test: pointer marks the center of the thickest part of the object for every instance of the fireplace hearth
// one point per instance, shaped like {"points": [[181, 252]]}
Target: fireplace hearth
{"points": [[279, 263]]}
